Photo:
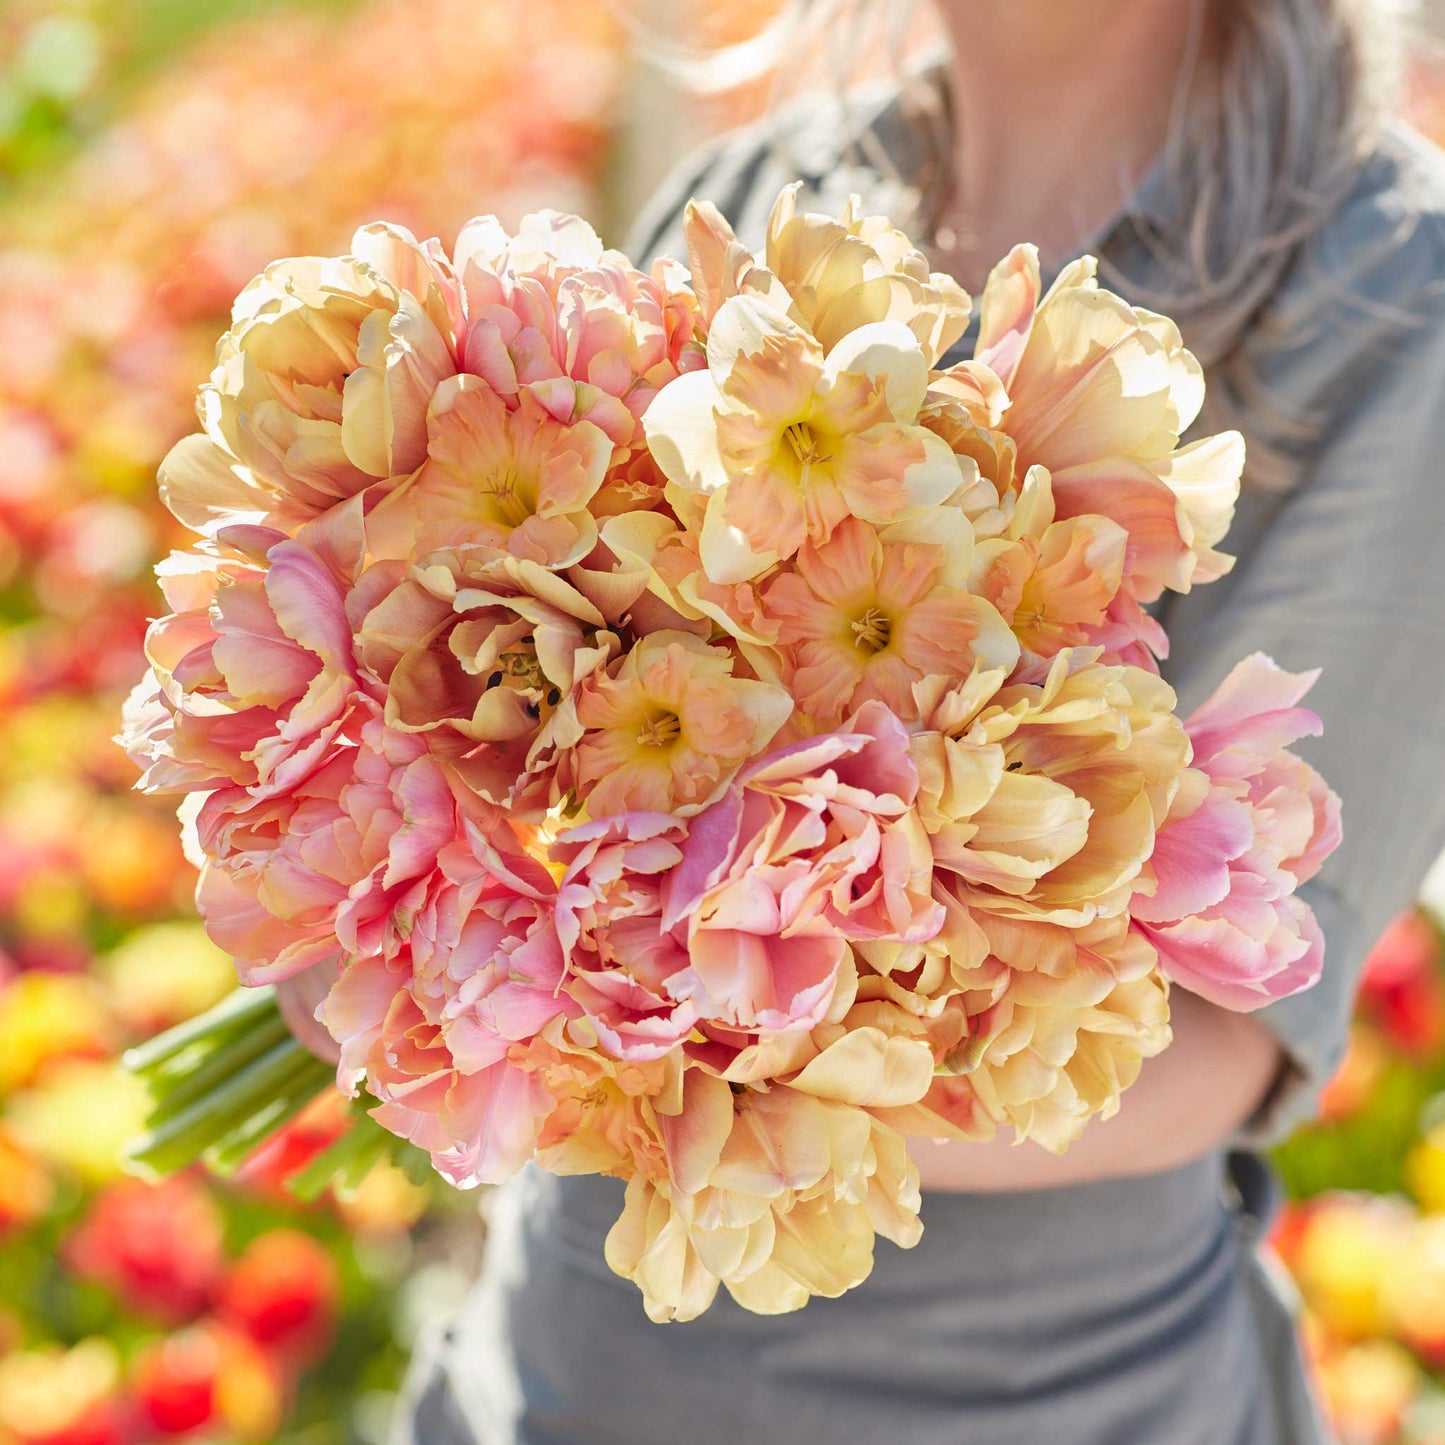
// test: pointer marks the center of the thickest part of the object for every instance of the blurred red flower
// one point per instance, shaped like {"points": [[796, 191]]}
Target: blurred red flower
{"points": [[158, 1247], [1403, 987], [207, 1376], [285, 1293], [317, 1127], [174, 1381]]}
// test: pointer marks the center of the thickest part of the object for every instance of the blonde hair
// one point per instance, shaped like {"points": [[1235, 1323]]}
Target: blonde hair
{"points": [[1265, 143]]}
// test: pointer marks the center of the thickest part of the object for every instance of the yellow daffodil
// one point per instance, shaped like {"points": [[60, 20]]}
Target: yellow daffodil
{"points": [[784, 440]]}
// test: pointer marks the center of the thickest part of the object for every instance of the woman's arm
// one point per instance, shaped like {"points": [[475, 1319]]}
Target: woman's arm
{"points": [[1199, 1091]]}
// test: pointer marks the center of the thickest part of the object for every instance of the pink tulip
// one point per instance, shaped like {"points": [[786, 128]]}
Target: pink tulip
{"points": [[1252, 822], [811, 845], [609, 918], [293, 878], [437, 1029], [551, 311]]}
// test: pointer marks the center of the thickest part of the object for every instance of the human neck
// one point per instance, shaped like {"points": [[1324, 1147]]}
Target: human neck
{"points": [[1060, 108]]}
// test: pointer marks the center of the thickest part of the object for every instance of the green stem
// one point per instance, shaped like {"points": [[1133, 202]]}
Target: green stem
{"points": [[233, 1149], [212, 1069], [185, 1136], [345, 1161], [235, 1014], [226, 1081]]}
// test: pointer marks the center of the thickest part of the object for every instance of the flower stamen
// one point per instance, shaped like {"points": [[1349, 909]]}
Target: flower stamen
{"points": [[806, 447], [872, 631], [504, 486], [659, 730]]}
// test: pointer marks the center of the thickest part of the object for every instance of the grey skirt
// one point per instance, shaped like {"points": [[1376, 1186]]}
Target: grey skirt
{"points": [[1126, 1312]]}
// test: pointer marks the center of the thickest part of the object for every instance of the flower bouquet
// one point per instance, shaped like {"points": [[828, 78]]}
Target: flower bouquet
{"points": [[672, 725]]}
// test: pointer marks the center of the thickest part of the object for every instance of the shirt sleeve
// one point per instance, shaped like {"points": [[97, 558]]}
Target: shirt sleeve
{"points": [[1345, 574]]}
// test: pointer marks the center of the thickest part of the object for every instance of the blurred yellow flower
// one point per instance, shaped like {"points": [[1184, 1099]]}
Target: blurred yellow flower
{"points": [[1425, 1171], [1350, 1247], [46, 1016], [52, 905], [385, 1202], [45, 1390], [81, 1116], [164, 973]]}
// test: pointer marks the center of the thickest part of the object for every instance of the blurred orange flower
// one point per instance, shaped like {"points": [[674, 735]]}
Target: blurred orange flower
{"points": [[1354, 1082], [25, 1188]]}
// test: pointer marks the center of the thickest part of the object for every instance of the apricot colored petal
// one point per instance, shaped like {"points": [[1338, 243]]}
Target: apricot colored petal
{"points": [[205, 487], [1205, 477], [743, 327], [887, 353], [680, 424], [1006, 311], [1158, 554], [933, 479], [866, 1068], [695, 1135], [727, 555]]}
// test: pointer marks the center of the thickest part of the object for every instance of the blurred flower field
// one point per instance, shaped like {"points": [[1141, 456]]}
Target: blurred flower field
{"points": [[153, 155]]}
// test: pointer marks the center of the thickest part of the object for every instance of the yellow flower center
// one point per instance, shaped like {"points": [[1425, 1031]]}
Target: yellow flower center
{"points": [[520, 668], [806, 445], [872, 631], [510, 495], [659, 729], [519, 671]]}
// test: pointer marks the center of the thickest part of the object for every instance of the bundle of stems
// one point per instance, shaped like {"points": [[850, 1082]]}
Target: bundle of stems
{"points": [[223, 1083]]}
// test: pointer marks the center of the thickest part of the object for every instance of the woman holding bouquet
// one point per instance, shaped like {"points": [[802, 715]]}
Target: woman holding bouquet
{"points": [[1232, 162]]}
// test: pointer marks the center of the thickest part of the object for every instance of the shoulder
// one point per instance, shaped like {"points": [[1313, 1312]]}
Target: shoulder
{"points": [[1384, 244], [1360, 314], [861, 142]]}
